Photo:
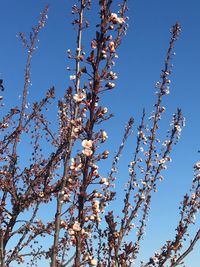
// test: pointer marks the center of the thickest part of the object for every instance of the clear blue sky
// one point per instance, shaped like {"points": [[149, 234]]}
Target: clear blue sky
{"points": [[140, 61]]}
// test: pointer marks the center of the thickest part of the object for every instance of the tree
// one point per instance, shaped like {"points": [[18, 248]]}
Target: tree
{"points": [[84, 231]]}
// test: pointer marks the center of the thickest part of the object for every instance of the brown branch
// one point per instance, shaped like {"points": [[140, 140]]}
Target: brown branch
{"points": [[188, 250], [70, 142]]}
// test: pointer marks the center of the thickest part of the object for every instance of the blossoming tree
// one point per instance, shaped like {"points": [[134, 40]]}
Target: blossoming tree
{"points": [[83, 230]]}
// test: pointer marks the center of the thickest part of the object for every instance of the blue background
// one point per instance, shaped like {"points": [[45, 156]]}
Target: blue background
{"points": [[141, 58]]}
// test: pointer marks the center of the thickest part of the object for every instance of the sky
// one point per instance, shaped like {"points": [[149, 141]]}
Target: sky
{"points": [[141, 59]]}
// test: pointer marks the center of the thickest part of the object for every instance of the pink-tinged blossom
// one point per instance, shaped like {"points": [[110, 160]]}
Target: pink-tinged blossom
{"points": [[74, 165], [197, 166], [105, 110], [104, 136], [95, 204], [94, 44], [110, 85], [104, 181], [87, 143], [115, 19], [79, 97], [111, 47], [93, 262], [63, 223], [71, 231], [76, 226], [87, 152], [112, 75]]}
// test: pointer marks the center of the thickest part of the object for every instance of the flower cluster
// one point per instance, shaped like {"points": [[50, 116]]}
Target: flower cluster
{"points": [[115, 19], [87, 144]]}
